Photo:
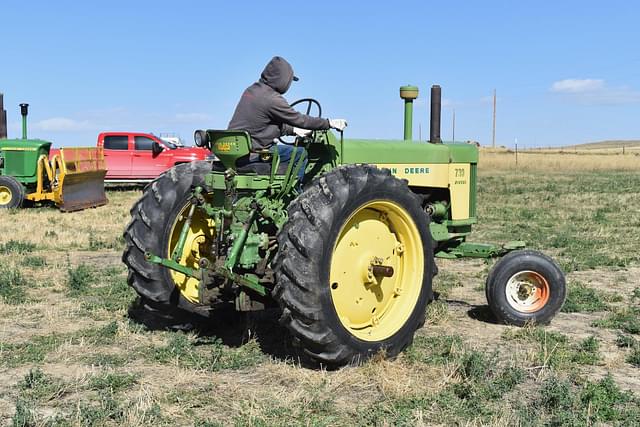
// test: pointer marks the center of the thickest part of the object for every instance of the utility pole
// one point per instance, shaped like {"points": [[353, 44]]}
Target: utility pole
{"points": [[494, 119], [454, 126], [3, 118]]}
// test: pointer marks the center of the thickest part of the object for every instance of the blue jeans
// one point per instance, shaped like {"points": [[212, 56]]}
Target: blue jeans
{"points": [[285, 152]]}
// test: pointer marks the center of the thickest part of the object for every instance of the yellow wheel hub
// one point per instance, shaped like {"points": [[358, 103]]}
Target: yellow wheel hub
{"points": [[200, 238], [5, 195], [377, 269]]}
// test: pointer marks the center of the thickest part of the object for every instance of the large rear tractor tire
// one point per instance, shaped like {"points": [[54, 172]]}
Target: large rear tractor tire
{"points": [[525, 287], [166, 297], [12, 193], [354, 266]]}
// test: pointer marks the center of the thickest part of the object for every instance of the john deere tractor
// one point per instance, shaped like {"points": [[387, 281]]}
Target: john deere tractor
{"points": [[347, 255], [72, 179]]}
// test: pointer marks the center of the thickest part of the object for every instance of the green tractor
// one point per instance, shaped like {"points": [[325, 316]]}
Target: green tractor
{"points": [[72, 179], [349, 259]]}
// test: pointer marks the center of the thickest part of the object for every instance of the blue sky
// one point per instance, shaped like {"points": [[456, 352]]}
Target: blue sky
{"points": [[565, 72]]}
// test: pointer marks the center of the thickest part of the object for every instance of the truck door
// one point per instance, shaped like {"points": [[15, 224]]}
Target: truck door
{"points": [[118, 156], [146, 163]]}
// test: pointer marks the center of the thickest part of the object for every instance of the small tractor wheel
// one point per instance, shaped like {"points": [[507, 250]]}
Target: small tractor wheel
{"points": [[354, 266], [525, 287], [12, 193], [156, 220]]}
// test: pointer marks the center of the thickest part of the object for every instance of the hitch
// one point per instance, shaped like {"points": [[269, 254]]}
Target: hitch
{"points": [[462, 249]]}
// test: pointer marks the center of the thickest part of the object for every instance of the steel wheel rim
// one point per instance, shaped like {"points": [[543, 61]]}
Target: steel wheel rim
{"points": [[527, 291], [5, 195], [371, 305], [199, 238]]}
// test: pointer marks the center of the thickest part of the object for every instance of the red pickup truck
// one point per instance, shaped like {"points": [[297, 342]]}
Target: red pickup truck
{"points": [[141, 157]]}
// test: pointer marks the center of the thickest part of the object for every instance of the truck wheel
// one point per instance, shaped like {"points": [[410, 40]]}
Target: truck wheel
{"points": [[12, 193], [525, 287], [354, 266], [155, 225]]}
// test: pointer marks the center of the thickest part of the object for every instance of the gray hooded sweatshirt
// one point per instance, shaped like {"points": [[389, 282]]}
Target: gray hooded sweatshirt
{"points": [[263, 111]]}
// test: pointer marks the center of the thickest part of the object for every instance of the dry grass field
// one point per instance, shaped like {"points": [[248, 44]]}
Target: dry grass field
{"points": [[71, 356]]}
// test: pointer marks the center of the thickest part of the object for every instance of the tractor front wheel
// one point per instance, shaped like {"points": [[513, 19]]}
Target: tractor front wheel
{"points": [[525, 287], [12, 193], [354, 266]]}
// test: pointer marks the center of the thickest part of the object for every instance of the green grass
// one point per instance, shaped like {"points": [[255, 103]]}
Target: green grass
{"points": [[113, 381], [210, 355], [16, 247], [34, 261], [586, 230], [79, 279], [37, 349], [13, 286], [626, 319], [438, 349], [555, 349], [38, 386], [583, 299]]}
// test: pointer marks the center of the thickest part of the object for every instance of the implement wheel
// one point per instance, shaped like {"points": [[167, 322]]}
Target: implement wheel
{"points": [[156, 221], [354, 266], [525, 287], [11, 193]]}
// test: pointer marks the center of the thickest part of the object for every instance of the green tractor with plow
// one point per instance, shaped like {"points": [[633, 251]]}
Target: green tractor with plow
{"points": [[348, 256], [72, 179]]}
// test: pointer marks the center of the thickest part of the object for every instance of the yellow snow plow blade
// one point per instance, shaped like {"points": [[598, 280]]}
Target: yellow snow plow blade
{"points": [[73, 179], [81, 179]]}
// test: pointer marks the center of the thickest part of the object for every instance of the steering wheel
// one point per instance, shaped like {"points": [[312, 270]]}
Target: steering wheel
{"points": [[310, 103]]}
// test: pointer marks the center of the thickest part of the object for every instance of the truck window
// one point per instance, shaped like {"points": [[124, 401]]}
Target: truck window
{"points": [[144, 143], [115, 142]]}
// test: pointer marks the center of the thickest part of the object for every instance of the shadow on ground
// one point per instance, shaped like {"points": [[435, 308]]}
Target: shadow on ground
{"points": [[232, 328]]}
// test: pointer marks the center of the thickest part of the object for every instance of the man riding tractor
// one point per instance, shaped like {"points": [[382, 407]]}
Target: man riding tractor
{"points": [[266, 115]]}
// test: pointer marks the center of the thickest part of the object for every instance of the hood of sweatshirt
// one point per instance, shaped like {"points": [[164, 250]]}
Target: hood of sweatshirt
{"points": [[278, 74]]}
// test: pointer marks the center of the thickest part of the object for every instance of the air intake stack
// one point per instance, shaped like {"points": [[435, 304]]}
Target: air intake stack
{"points": [[3, 119], [408, 93], [24, 111], [436, 109]]}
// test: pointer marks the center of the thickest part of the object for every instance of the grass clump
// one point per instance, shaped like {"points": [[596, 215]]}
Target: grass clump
{"points": [[25, 415], [181, 350], [112, 295], [39, 386], [625, 341], [34, 261], [13, 286], [437, 350], [626, 319], [583, 299], [36, 350], [113, 381], [79, 279], [560, 402], [16, 247], [555, 349]]}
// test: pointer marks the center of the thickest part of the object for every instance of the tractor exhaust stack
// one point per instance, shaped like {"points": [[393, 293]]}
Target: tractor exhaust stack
{"points": [[408, 93], [3, 118], [24, 110], [436, 109]]}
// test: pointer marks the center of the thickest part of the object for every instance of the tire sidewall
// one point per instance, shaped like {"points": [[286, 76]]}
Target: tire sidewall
{"points": [[17, 191], [516, 262], [405, 333]]}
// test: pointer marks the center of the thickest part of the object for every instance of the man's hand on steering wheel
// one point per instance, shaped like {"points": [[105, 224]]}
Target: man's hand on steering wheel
{"points": [[303, 135]]}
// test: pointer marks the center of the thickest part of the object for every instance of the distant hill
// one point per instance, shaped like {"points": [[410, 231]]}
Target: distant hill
{"points": [[606, 145]]}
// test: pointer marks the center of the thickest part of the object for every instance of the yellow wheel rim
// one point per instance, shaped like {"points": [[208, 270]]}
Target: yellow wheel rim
{"points": [[377, 269], [200, 238], [5, 195]]}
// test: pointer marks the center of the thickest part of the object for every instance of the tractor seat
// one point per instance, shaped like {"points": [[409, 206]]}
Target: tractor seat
{"points": [[233, 148]]}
